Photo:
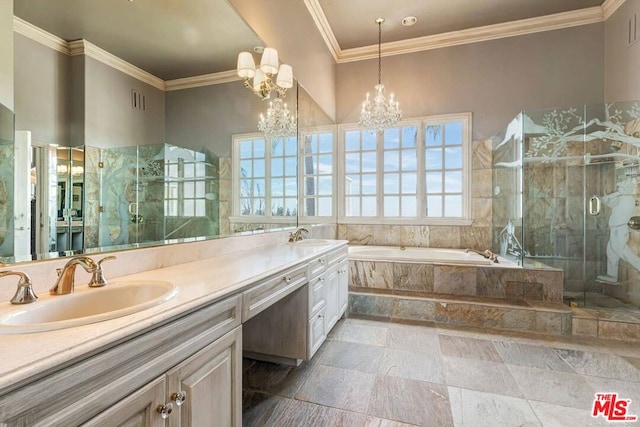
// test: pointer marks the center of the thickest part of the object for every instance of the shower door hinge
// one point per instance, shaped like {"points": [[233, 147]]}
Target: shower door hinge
{"points": [[100, 208], [101, 165]]}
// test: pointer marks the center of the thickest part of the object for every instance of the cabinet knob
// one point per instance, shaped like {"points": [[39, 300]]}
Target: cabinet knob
{"points": [[179, 398], [321, 260], [287, 279], [165, 410]]}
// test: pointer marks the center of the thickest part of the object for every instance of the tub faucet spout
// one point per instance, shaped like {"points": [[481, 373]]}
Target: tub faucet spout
{"points": [[486, 253]]}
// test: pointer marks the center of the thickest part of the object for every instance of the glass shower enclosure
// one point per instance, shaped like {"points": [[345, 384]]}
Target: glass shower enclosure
{"points": [[565, 195]]}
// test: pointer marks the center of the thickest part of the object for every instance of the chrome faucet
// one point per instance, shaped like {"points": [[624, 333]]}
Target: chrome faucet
{"points": [[24, 293], [66, 275], [486, 253], [97, 279], [296, 236]]}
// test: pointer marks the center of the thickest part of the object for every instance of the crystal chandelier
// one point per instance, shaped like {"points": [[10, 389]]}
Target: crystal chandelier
{"points": [[279, 121], [378, 113], [263, 77]]}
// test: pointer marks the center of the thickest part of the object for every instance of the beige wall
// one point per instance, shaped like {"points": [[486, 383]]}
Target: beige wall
{"points": [[622, 62], [6, 53], [290, 28], [494, 79]]}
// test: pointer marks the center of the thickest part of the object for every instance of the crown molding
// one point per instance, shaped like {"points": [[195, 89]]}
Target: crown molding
{"points": [[39, 35], [202, 80], [323, 25], [83, 47], [521, 27], [609, 7], [473, 35]]}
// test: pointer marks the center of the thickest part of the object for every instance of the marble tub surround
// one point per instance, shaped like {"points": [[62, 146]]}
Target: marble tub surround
{"points": [[459, 376], [612, 324], [489, 313], [202, 279], [424, 279]]}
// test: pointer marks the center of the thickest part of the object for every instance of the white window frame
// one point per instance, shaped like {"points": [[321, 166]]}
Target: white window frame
{"points": [[421, 123], [315, 219], [235, 160]]}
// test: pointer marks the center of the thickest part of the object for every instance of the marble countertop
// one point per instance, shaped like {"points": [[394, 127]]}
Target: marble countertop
{"points": [[26, 357]]}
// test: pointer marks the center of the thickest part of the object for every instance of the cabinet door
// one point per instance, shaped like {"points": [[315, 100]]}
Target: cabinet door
{"points": [[331, 294], [211, 382], [139, 409], [343, 286]]}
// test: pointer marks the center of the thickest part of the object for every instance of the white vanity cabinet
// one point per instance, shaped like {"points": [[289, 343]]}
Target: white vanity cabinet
{"points": [[336, 287], [294, 328], [199, 353]]}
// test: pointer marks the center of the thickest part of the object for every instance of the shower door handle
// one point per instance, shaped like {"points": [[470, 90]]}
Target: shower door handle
{"points": [[595, 205]]}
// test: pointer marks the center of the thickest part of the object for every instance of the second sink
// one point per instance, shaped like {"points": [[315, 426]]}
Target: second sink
{"points": [[87, 306]]}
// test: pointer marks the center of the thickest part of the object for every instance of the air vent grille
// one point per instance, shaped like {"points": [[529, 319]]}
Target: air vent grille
{"points": [[138, 100], [634, 36]]}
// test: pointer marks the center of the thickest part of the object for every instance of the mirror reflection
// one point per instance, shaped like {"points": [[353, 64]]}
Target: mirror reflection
{"points": [[125, 150]]}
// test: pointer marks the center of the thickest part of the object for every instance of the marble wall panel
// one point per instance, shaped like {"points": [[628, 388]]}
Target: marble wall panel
{"points": [[413, 277], [481, 157], [444, 237], [492, 282], [455, 280], [481, 185], [482, 208], [413, 309], [413, 235], [371, 305], [371, 274], [475, 237]]}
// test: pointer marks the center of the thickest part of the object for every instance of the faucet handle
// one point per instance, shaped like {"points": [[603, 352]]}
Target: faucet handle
{"points": [[97, 278], [24, 294]]}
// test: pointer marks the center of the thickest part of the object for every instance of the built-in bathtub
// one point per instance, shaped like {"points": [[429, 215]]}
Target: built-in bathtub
{"points": [[421, 255], [457, 287]]}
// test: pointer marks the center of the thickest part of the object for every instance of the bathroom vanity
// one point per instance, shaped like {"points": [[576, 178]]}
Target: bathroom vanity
{"points": [[179, 363]]}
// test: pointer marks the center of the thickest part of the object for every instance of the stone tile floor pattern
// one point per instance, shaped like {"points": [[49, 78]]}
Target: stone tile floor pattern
{"points": [[371, 373]]}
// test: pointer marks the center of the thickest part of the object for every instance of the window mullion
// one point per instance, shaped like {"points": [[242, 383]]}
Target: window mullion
{"points": [[380, 175], [421, 193]]}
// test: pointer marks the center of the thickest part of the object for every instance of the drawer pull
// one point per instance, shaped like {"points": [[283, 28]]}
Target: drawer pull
{"points": [[179, 398], [165, 410], [321, 260], [286, 279]]}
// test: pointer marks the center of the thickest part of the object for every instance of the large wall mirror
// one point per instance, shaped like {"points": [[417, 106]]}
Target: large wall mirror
{"points": [[131, 111]]}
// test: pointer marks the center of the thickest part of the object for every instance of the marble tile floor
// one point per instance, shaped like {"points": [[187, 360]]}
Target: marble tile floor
{"points": [[370, 373]]}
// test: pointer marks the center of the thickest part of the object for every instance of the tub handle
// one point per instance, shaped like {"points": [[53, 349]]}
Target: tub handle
{"points": [[594, 205]]}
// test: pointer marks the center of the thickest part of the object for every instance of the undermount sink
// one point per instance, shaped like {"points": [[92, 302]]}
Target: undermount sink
{"points": [[85, 306], [313, 242]]}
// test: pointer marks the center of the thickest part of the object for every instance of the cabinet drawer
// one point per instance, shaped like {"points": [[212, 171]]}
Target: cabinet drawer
{"points": [[316, 295], [317, 266], [262, 296], [337, 256], [317, 333]]}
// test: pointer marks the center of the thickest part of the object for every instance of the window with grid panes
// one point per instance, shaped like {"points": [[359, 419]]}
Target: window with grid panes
{"points": [[185, 183], [416, 171], [267, 178], [317, 171]]}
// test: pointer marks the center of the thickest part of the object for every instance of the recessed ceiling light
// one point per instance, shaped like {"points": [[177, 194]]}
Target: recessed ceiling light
{"points": [[408, 21]]}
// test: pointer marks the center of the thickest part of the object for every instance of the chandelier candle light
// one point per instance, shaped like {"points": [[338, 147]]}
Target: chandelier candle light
{"points": [[378, 113], [263, 83]]}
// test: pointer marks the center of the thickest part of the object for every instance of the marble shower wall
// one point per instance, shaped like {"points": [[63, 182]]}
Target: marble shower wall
{"points": [[478, 235], [6, 198]]}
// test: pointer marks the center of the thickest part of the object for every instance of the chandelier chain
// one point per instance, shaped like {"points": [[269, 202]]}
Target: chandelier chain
{"points": [[379, 52], [378, 112]]}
